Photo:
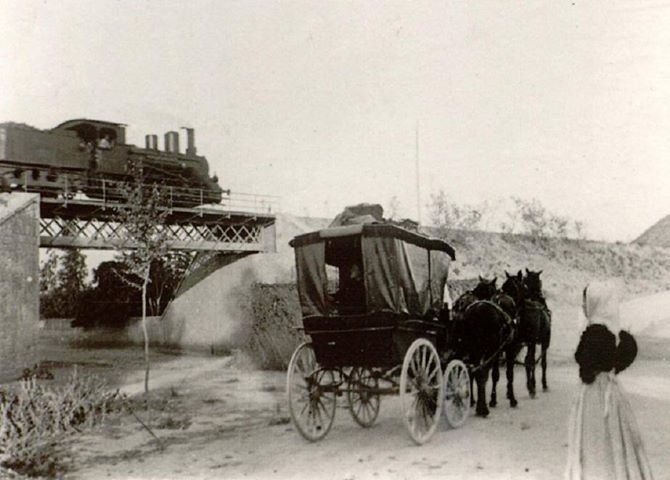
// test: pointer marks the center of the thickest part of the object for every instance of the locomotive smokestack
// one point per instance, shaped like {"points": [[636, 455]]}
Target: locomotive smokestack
{"points": [[172, 142], [151, 142], [190, 141]]}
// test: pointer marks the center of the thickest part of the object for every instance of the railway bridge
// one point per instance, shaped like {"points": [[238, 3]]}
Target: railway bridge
{"points": [[241, 224]]}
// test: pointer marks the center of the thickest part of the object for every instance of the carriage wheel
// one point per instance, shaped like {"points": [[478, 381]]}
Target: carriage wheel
{"points": [[456, 393], [312, 407], [421, 387], [363, 404]]}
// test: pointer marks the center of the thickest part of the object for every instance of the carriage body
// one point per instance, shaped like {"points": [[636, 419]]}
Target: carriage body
{"points": [[403, 278], [372, 299], [376, 340]]}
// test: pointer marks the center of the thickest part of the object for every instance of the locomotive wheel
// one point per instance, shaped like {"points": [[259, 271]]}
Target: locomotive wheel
{"points": [[457, 393], [421, 390], [311, 402], [363, 404]]}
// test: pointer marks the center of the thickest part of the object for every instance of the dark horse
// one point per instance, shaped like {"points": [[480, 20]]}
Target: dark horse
{"points": [[509, 297], [482, 330], [534, 328]]}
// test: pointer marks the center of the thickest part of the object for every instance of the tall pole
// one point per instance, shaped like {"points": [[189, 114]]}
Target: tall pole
{"points": [[418, 181]]}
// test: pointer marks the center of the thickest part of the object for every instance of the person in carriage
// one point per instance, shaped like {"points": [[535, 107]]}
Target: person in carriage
{"points": [[350, 296]]}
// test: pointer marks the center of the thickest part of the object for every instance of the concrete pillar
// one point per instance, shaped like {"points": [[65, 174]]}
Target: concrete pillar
{"points": [[19, 283]]}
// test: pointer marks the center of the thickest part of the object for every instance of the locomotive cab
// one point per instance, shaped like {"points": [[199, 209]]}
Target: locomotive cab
{"points": [[94, 131], [98, 139]]}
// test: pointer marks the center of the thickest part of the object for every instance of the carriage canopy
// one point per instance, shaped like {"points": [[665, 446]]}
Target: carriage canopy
{"points": [[370, 268]]}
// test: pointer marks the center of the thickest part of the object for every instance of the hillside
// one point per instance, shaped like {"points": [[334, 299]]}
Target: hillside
{"points": [[567, 264], [220, 312], [657, 235]]}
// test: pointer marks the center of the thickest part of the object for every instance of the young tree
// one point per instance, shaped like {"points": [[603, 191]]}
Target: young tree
{"points": [[142, 218]]}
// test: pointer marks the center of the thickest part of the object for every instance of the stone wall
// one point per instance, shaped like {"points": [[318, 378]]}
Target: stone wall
{"points": [[19, 283]]}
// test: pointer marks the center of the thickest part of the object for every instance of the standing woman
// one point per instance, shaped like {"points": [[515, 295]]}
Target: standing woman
{"points": [[604, 438]]}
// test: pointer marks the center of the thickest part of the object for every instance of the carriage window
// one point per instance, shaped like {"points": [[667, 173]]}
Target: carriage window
{"points": [[344, 273], [333, 277]]}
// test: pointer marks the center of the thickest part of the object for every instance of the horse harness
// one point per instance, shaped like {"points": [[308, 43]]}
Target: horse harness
{"points": [[535, 305], [508, 325]]}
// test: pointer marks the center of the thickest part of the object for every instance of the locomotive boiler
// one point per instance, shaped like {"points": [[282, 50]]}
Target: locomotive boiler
{"points": [[92, 157]]}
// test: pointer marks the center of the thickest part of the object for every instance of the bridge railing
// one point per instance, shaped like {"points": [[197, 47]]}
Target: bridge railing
{"points": [[113, 192], [250, 202]]}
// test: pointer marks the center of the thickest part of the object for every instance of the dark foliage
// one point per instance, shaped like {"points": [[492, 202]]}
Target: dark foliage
{"points": [[114, 298], [61, 287], [274, 313], [111, 301]]}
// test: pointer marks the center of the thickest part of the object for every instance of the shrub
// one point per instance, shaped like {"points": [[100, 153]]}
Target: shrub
{"points": [[111, 301], [274, 312], [449, 216], [532, 218], [35, 417]]}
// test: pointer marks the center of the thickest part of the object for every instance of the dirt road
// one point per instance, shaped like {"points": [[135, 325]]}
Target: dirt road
{"points": [[230, 422]]}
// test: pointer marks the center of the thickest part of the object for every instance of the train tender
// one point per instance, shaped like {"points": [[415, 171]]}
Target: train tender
{"points": [[93, 158]]}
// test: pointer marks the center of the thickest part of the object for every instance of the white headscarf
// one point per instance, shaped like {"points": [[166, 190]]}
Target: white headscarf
{"points": [[601, 303]]}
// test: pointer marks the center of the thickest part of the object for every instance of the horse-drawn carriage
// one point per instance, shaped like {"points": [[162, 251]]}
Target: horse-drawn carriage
{"points": [[372, 305]]}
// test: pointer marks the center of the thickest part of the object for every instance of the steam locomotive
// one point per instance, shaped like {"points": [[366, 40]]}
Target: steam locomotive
{"points": [[92, 157]]}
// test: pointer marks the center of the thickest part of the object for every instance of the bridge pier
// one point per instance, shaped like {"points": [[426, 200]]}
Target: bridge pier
{"points": [[19, 283]]}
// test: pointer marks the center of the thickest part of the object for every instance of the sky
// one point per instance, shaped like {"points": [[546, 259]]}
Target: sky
{"points": [[567, 102]]}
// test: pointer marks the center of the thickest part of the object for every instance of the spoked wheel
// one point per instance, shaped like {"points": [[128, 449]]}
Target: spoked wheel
{"points": [[421, 387], [456, 393], [363, 404], [311, 402]]}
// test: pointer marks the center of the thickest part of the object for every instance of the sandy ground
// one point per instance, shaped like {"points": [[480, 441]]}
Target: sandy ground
{"points": [[218, 418]]}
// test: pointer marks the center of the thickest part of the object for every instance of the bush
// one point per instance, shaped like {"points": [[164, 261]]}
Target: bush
{"points": [[36, 417], [449, 216], [114, 297], [538, 222], [274, 312], [112, 301]]}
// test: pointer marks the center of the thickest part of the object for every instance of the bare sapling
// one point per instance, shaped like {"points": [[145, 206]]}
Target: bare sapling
{"points": [[144, 240]]}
